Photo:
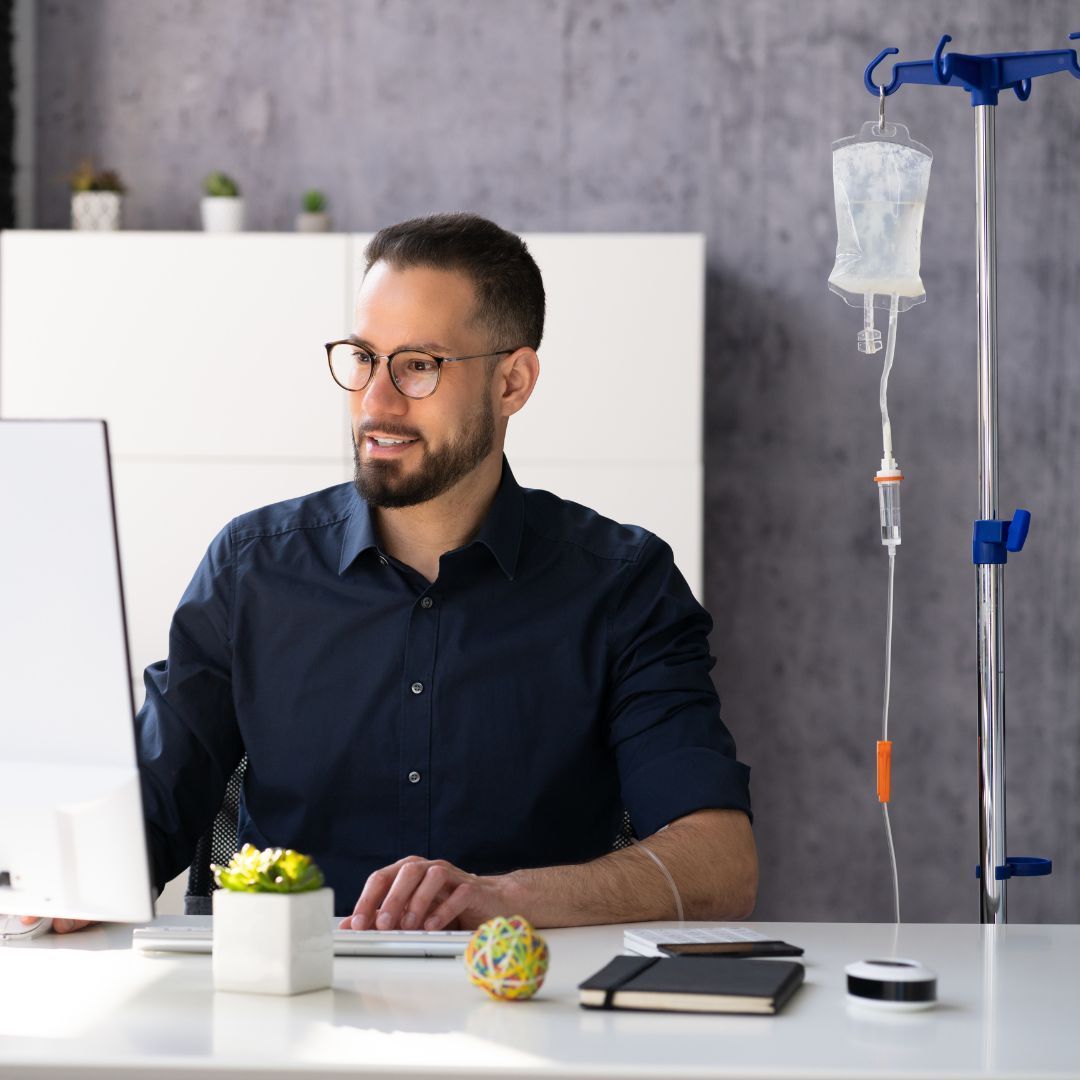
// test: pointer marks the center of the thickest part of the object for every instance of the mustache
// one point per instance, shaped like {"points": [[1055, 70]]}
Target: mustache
{"points": [[395, 431]]}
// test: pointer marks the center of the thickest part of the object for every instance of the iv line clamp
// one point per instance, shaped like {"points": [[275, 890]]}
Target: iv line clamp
{"points": [[992, 540]]}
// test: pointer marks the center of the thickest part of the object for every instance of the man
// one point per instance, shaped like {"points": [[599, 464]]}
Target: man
{"points": [[448, 687]]}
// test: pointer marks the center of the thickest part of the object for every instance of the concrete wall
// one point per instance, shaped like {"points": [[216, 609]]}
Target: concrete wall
{"points": [[712, 116]]}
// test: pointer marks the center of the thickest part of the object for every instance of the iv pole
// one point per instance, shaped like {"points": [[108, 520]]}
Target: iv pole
{"points": [[983, 77], [990, 577]]}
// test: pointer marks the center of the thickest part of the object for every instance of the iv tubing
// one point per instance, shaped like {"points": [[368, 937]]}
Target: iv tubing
{"points": [[888, 465], [664, 870], [885, 718], [887, 461]]}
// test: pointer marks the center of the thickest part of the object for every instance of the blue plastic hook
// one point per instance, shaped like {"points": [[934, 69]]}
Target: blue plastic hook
{"points": [[941, 64], [869, 73]]}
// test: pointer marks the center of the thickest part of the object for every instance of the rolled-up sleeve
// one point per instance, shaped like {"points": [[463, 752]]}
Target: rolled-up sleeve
{"points": [[187, 736], [674, 753]]}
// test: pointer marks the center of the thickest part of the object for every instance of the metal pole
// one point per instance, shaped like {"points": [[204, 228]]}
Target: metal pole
{"points": [[990, 579]]}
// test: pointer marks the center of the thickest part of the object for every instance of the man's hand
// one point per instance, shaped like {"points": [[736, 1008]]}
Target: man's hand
{"points": [[61, 926], [428, 894]]}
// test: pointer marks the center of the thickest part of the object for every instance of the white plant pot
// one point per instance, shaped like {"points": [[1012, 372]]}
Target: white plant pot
{"points": [[96, 210], [222, 213], [273, 943], [319, 222]]}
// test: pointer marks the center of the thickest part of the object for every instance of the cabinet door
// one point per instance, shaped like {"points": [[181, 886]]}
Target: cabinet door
{"points": [[190, 345], [621, 359]]}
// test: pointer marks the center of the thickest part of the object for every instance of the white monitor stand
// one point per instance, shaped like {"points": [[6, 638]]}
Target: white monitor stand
{"points": [[72, 838]]}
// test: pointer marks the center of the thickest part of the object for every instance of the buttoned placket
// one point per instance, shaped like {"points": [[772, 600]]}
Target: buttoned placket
{"points": [[417, 697]]}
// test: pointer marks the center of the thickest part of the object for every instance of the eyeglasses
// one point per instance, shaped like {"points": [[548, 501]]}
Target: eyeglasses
{"points": [[414, 373]]}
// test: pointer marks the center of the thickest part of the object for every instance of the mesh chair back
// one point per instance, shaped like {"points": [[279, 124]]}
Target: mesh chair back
{"points": [[216, 845]]}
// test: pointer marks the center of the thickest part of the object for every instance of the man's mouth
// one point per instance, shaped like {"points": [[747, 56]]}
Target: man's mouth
{"points": [[385, 445]]}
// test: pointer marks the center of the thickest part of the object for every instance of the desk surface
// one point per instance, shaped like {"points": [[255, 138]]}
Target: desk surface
{"points": [[87, 1005]]}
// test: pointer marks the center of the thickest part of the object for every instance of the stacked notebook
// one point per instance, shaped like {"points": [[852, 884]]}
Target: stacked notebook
{"points": [[692, 984]]}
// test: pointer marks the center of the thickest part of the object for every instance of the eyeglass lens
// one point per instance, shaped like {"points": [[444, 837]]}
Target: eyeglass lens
{"points": [[415, 373]]}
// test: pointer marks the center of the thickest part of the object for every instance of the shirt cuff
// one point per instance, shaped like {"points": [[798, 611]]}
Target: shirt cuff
{"points": [[682, 781]]}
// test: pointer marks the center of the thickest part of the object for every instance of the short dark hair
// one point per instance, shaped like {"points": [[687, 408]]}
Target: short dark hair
{"points": [[509, 288]]}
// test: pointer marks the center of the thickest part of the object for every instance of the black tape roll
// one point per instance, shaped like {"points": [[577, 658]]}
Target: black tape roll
{"points": [[892, 982]]}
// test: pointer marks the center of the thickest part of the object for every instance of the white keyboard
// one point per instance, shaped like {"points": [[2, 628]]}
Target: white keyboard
{"points": [[647, 942], [200, 939]]}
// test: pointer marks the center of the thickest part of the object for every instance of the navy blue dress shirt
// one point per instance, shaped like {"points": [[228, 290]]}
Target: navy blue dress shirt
{"points": [[500, 717]]}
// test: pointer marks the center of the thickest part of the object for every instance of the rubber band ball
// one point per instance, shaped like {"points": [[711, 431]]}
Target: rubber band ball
{"points": [[507, 958]]}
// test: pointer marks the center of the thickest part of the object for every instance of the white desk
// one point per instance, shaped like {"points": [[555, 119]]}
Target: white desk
{"points": [[87, 1005]]}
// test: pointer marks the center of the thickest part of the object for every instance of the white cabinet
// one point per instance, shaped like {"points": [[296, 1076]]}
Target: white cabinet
{"points": [[205, 355]]}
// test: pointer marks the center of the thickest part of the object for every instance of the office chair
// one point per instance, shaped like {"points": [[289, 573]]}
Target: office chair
{"points": [[218, 844]]}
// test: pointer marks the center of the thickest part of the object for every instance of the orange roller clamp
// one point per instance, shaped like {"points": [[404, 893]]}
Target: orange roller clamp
{"points": [[884, 764]]}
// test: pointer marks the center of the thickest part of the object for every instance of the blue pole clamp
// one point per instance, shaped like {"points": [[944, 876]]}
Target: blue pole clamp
{"points": [[1021, 866], [992, 540], [983, 76]]}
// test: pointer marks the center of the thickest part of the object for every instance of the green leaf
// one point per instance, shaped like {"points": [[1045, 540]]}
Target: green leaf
{"points": [[221, 185], [272, 870]]}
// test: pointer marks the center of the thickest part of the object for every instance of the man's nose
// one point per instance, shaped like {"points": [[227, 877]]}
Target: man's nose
{"points": [[381, 397]]}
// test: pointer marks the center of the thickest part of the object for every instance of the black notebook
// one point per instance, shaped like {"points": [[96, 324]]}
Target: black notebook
{"points": [[692, 984]]}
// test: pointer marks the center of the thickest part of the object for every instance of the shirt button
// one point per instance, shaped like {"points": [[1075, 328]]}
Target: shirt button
{"points": [[426, 602], [414, 777], [417, 688]]}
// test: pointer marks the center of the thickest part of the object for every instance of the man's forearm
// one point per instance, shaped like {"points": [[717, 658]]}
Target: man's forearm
{"points": [[710, 855]]}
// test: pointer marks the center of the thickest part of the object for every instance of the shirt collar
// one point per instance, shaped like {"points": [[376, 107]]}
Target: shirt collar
{"points": [[500, 532], [359, 533]]}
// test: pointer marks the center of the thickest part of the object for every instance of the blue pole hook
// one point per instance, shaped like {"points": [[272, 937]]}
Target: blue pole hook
{"points": [[941, 63], [868, 76]]}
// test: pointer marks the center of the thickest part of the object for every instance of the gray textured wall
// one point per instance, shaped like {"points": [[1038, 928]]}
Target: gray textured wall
{"points": [[711, 116]]}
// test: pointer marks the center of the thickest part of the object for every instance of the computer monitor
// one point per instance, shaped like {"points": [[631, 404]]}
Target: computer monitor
{"points": [[72, 838]]}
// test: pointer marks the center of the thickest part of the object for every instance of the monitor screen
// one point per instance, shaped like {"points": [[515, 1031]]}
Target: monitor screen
{"points": [[72, 839]]}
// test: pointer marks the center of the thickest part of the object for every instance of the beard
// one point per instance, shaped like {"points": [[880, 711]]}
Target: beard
{"points": [[383, 484]]}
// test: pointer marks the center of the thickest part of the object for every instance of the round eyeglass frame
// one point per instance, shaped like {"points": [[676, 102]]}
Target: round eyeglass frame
{"points": [[389, 358]]}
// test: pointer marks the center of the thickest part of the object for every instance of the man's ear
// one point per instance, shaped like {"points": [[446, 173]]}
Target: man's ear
{"points": [[516, 376]]}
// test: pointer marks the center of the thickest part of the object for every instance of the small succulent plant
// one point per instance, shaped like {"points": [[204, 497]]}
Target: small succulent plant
{"points": [[220, 185], [314, 202], [274, 870], [87, 178]]}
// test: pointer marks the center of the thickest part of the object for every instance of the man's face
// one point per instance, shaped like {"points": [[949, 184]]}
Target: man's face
{"points": [[451, 432]]}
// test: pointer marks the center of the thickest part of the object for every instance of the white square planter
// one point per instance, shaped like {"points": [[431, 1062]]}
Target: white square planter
{"points": [[95, 210], [318, 222], [273, 943], [222, 213]]}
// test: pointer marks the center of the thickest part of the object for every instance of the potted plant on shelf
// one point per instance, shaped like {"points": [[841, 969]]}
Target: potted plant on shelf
{"points": [[313, 218], [222, 205], [95, 198], [272, 923]]}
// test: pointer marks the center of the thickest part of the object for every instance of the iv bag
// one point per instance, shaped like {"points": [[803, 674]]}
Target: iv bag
{"points": [[880, 178]]}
